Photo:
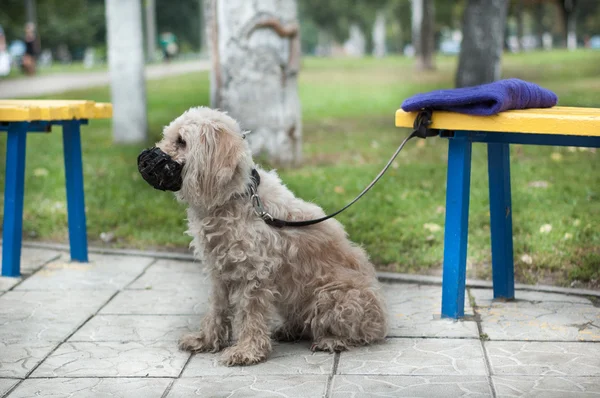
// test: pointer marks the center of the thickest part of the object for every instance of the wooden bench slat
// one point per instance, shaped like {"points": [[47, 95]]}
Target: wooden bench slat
{"points": [[558, 120]]}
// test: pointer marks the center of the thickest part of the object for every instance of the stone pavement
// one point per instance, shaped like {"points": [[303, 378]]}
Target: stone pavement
{"points": [[110, 329], [33, 86]]}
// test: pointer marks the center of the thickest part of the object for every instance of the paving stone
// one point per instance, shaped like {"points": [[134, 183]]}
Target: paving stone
{"points": [[19, 358], [158, 302], [286, 359], [27, 316], [32, 259], [415, 357], [414, 311], [103, 272], [546, 386], [410, 386], [6, 385], [92, 387], [171, 281], [114, 359], [539, 316], [544, 358], [8, 282], [137, 328], [485, 297], [175, 266], [293, 386]]}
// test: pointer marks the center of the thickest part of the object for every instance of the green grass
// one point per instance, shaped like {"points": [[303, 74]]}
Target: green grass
{"points": [[348, 107]]}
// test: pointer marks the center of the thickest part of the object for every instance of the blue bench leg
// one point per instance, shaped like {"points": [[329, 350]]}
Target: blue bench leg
{"points": [[14, 186], [501, 220], [456, 228], [75, 196]]}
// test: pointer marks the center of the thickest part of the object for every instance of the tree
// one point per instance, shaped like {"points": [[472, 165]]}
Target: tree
{"points": [[126, 67], [255, 53], [568, 10], [481, 48], [423, 28]]}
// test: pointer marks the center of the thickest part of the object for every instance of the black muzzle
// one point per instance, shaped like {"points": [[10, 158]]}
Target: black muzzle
{"points": [[159, 170]]}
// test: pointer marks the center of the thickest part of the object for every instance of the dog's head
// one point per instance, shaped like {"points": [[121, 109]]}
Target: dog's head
{"points": [[203, 157]]}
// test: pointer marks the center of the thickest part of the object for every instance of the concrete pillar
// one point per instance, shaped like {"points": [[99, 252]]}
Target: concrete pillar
{"points": [[126, 67]]}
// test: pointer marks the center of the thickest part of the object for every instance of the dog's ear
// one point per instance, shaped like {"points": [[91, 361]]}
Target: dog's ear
{"points": [[212, 159], [227, 155]]}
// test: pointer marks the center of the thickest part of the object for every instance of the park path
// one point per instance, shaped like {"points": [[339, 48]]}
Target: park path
{"points": [[61, 82]]}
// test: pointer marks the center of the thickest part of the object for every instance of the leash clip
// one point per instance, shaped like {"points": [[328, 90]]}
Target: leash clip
{"points": [[422, 123], [259, 209]]}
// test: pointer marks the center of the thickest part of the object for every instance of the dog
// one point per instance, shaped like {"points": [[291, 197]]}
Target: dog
{"points": [[313, 279]]}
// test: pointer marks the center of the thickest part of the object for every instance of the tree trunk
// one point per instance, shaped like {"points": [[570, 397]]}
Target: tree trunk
{"points": [[150, 8], [416, 7], [481, 48], [255, 51], [540, 28], [519, 15], [425, 58], [568, 8], [379, 36], [571, 28], [126, 68]]}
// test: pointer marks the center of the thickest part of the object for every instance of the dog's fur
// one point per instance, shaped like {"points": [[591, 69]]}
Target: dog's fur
{"points": [[321, 285]]}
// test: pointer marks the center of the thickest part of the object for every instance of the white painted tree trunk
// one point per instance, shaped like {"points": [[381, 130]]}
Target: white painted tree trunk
{"points": [[571, 34], [379, 47], [416, 7], [255, 51], [126, 68], [356, 43]]}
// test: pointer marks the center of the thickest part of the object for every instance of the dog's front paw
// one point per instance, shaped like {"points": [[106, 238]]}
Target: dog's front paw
{"points": [[329, 344], [198, 342], [241, 355]]}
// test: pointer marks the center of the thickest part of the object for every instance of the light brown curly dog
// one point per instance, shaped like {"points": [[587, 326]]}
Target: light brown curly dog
{"points": [[320, 284]]}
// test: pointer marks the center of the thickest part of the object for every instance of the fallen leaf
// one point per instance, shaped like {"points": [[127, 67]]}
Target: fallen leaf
{"points": [[568, 236], [440, 209], [526, 258], [420, 144], [339, 189], [546, 228], [432, 227], [538, 184], [107, 237], [557, 157], [577, 222], [40, 172]]}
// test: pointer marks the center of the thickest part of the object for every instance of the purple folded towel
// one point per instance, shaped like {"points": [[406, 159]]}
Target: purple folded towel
{"points": [[486, 99]]}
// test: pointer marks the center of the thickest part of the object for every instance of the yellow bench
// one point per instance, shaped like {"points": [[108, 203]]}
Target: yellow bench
{"points": [[17, 118], [565, 126]]}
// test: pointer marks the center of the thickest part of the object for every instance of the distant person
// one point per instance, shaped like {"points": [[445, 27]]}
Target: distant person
{"points": [[168, 44], [4, 56], [32, 49]]}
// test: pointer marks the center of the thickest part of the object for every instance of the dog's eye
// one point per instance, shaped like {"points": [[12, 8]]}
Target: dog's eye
{"points": [[180, 142]]}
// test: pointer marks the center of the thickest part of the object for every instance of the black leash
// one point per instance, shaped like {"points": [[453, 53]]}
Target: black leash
{"points": [[421, 130]]}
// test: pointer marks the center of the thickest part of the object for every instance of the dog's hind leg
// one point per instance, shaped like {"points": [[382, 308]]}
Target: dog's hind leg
{"points": [[215, 328], [344, 318]]}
